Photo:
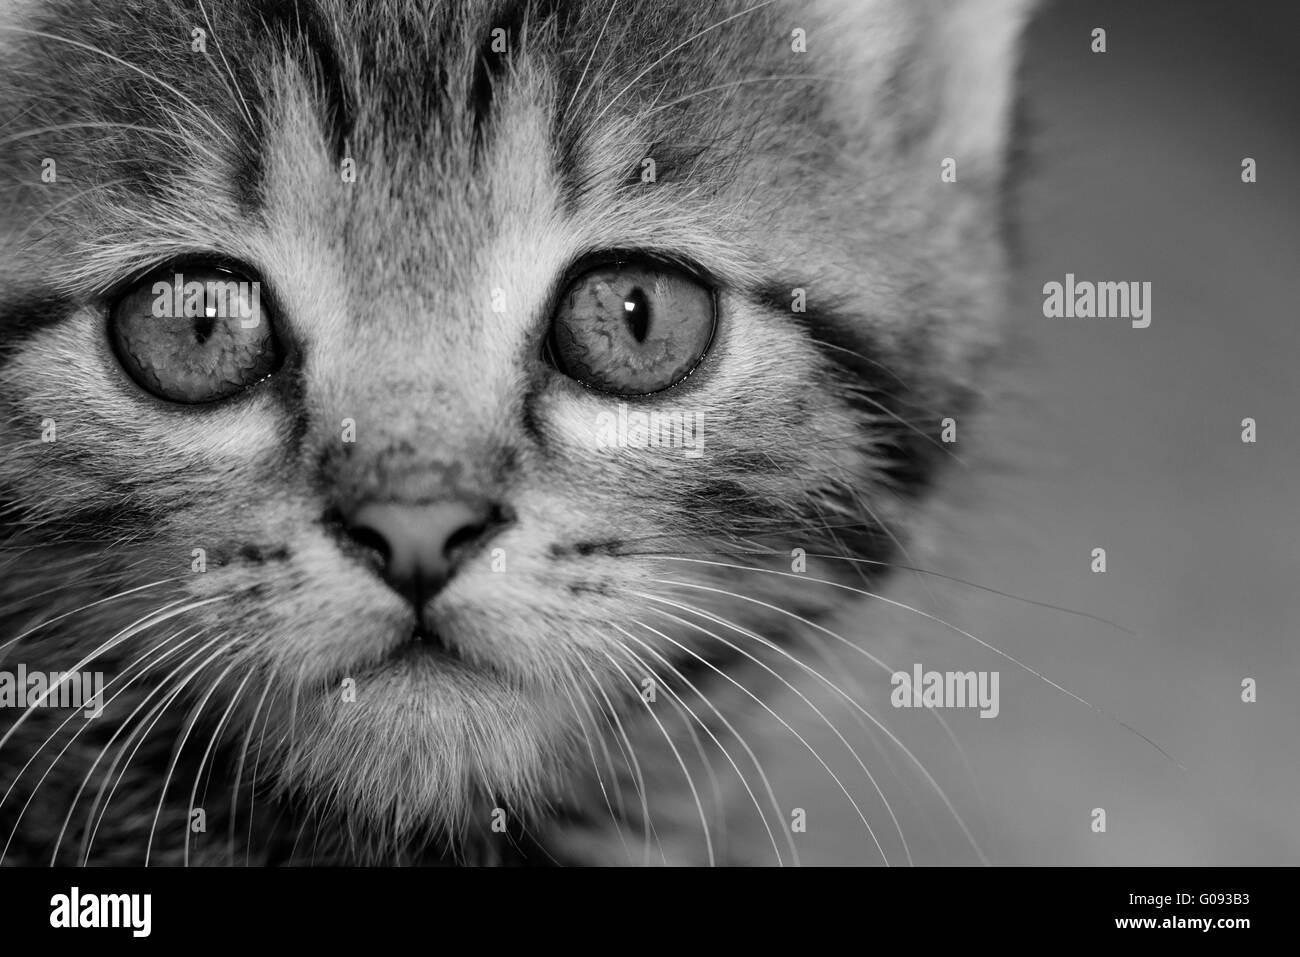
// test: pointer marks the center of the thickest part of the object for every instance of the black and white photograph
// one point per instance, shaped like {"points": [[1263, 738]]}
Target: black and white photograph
{"points": [[649, 433]]}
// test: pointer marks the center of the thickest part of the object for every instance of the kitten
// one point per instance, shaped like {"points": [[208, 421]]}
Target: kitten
{"points": [[375, 551]]}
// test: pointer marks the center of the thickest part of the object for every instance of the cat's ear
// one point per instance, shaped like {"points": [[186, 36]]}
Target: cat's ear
{"points": [[929, 77], [977, 47]]}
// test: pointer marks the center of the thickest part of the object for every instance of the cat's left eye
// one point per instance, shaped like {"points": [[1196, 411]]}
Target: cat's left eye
{"points": [[632, 328], [194, 335]]}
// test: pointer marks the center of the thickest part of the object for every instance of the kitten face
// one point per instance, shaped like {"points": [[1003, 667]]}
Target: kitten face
{"points": [[417, 206]]}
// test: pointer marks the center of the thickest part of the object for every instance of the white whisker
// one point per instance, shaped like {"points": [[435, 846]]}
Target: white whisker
{"points": [[690, 782], [794, 851], [811, 750]]}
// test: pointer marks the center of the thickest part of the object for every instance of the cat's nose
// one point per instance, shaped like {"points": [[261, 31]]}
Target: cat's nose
{"points": [[420, 546]]}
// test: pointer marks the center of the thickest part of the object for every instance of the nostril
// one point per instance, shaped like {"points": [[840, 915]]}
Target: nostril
{"points": [[494, 518], [463, 536], [372, 541], [471, 532]]}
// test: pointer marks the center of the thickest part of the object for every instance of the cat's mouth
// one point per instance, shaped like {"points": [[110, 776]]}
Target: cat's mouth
{"points": [[426, 646], [426, 638], [424, 642], [423, 653]]}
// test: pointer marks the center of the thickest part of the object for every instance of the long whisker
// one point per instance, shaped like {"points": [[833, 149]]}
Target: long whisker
{"points": [[761, 550], [690, 782], [595, 766], [984, 588], [689, 721], [147, 621], [776, 807], [138, 735], [870, 717], [207, 752], [252, 790], [820, 714], [943, 723], [629, 755], [93, 604], [946, 624], [166, 646], [239, 767]]}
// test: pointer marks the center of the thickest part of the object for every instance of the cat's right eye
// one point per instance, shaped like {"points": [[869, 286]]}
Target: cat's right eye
{"points": [[195, 335]]}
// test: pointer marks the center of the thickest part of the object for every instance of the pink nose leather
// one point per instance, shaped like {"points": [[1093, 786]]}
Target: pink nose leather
{"points": [[418, 543]]}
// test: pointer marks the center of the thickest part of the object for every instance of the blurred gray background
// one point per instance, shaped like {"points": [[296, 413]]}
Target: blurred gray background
{"points": [[1097, 434]]}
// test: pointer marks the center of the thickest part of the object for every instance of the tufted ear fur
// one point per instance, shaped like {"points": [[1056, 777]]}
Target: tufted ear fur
{"points": [[976, 46], [934, 76]]}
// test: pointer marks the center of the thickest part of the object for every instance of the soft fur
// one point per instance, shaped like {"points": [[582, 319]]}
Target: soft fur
{"points": [[475, 172]]}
